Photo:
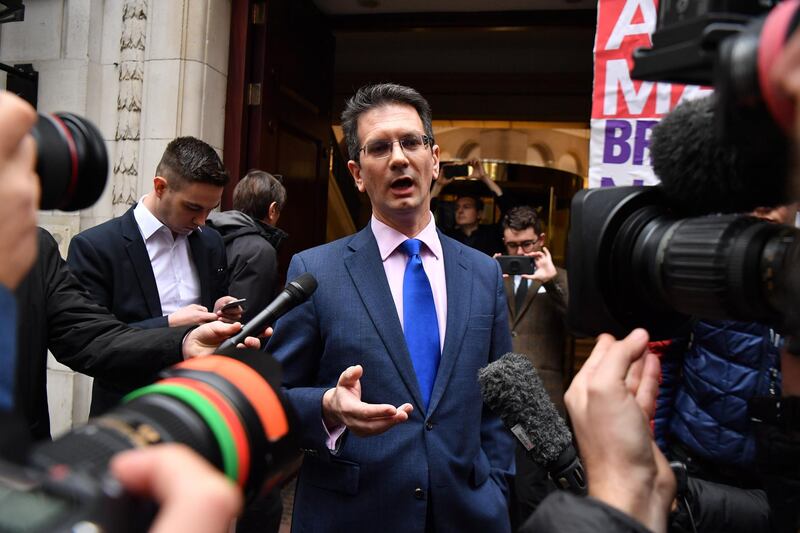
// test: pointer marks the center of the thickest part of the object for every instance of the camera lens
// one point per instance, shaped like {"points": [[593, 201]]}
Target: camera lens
{"points": [[229, 410], [72, 162]]}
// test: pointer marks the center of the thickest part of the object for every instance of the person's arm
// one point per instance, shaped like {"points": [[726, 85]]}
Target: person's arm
{"points": [[562, 512], [479, 173], [84, 336], [19, 190], [496, 441], [440, 183]]}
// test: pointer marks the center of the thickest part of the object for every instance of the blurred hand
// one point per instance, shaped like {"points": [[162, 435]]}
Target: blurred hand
{"points": [[478, 172], [234, 314], [545, 269], [192, 495], [205, 339], [19, 190], [611, 401], [190, 315], [343, 406]]}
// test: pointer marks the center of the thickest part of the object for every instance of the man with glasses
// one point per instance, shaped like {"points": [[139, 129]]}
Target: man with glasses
{"points": [[381, 363], [537, 306]]}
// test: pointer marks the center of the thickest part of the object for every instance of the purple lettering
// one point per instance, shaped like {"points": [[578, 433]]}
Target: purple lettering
{"points": [[642, 139], [605, 181], [617, 142]]}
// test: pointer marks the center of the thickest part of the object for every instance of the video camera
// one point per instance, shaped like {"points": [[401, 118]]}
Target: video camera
{"points": [[636, 256], [228, 408], [71, 161]]}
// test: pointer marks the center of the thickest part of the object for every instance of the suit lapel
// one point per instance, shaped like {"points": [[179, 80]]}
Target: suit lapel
{"points": [[137, 253], [202, 264], [458, 276], [363, 263]]}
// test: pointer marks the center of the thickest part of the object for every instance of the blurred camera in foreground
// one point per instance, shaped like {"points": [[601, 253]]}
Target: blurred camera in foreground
{"points": [[71, 161], [230, 410]]}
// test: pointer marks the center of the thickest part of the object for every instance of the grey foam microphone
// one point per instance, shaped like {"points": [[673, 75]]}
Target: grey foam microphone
{"points": [[702, 173], [296, 292], [512, 389]]}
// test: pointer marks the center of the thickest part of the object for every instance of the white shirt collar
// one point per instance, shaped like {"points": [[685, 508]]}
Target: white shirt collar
{"points": [[389, 238], [147, 221]]}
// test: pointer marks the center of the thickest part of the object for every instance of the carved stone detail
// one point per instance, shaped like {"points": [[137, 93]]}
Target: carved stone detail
{"points": [[129, 105]]}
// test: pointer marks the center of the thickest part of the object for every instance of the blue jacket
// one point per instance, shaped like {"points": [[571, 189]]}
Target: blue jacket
{"points": [[707, 380]]}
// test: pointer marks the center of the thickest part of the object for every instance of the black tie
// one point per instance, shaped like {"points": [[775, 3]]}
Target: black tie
{"points": [[519, 297]]}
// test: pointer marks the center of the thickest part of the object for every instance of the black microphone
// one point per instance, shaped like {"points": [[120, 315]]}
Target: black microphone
{"points": [[512, 389], [702, 172], [295, 293]]}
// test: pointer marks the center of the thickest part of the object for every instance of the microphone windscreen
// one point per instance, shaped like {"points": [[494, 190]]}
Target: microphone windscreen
{"points": [[701, 173], [305, 283], [512, 389]]}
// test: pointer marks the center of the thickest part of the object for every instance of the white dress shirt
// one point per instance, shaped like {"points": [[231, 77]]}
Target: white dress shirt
{"points": [[176, 276]]}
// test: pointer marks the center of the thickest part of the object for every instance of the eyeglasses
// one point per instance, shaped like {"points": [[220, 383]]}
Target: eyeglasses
{"points": [[527, 246], [381, 149]]}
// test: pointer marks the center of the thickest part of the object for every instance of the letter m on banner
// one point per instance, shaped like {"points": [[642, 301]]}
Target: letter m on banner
{"points": [[624, 110]]}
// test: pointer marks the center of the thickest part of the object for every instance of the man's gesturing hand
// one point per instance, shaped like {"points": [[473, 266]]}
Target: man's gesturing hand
{"points": [[343, 406]]}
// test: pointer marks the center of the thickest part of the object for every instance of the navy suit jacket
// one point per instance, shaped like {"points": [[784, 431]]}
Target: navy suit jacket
{"points": [[454, 457], [112, 262]]}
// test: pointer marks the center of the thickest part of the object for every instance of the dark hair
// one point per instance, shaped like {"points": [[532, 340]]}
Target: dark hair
{"points": [[255, 193], [372, 96], [522, 217], [476, 199], [190, 160]]}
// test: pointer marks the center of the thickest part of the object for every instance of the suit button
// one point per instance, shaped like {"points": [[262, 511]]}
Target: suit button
{"points": [[514, 333], [419, 493], [429, 425]]}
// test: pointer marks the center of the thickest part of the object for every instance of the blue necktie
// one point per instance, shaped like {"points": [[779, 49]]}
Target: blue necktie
{"points": [[420, 324]]}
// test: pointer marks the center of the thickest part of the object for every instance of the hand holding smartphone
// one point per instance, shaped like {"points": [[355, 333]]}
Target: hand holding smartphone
{"points": [[233, 303]]}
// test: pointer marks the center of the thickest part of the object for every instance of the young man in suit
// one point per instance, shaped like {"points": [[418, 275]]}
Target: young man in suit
{"points": [[157, 265], [537, 307], [381, 363]]}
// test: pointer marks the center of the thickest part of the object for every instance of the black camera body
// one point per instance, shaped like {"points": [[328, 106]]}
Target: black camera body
{"points": [[633, 262], [634, 259], [71, 162]]}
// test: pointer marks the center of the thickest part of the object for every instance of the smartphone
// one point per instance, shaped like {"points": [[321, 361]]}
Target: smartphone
{"points": [[452, 171], [233, 303], [517, 264]]}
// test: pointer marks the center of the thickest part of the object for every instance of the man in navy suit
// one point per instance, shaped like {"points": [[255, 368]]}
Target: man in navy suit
{"points": [[156, 265], [390, 446]]}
